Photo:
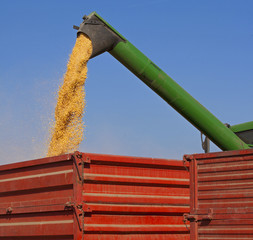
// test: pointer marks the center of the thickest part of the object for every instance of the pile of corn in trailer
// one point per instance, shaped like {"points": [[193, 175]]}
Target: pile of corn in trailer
{"points": [[91, 196], [221, 193]]}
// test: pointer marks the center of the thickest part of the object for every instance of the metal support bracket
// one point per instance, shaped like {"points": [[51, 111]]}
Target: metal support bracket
{"points": [[78, 161], [199, 217], [9, 210], [187, 158], [79, 210], [205, 143], [77, 205]]}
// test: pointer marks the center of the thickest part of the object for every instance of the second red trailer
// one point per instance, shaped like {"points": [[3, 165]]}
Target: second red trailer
{"points": [[221, 195]]}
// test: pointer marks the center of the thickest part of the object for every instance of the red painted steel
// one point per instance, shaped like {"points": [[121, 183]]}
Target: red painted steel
{"points": [[221, 193], [92, 196]]}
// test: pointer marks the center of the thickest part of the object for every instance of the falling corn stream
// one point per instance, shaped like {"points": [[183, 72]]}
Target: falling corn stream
{"points": [[67, 131]]}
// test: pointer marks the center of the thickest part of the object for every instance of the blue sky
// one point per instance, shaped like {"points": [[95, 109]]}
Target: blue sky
{"points": [[205, 46]]}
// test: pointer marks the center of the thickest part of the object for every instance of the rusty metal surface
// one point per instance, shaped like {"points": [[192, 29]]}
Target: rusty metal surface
{"points": [[221, 192], [93, 196]]}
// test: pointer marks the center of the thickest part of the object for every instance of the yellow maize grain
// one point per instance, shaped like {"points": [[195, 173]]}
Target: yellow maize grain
{"points": [[68, 129]]}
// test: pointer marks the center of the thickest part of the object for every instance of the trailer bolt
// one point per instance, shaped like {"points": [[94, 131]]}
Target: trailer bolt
{"points": [[9, 210]]}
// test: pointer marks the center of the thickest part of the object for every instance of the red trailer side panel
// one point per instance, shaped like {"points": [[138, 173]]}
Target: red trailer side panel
{"points": [[92, 196], [32, 199], [221, 195]]}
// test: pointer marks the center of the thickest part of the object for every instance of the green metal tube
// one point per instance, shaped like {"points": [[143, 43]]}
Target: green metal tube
{"points": [[176, 96], [162, 84]]}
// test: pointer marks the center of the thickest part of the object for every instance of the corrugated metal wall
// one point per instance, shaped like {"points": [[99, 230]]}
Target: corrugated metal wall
{"points": [[135, 198], [109, 197], [222, 195], [32, 199]]}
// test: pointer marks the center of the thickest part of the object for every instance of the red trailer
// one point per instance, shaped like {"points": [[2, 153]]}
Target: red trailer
{"points": [[92, 196], [221, 193]]}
